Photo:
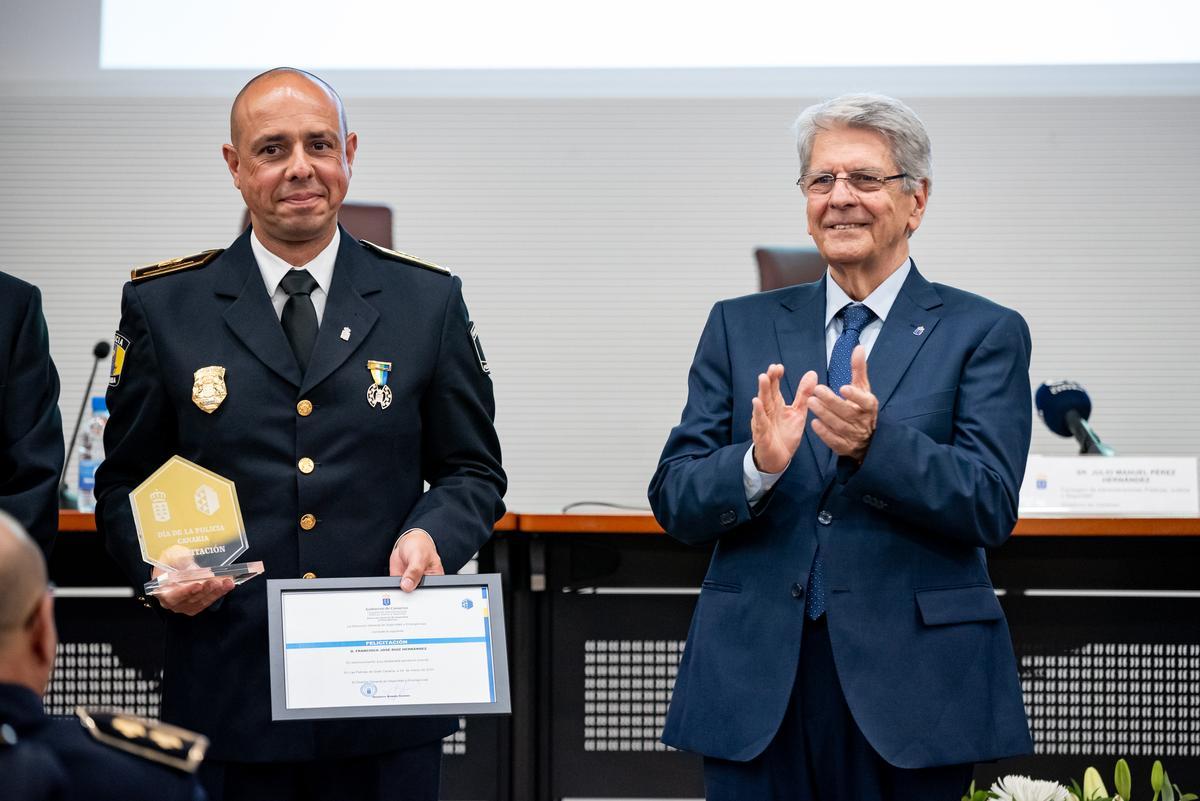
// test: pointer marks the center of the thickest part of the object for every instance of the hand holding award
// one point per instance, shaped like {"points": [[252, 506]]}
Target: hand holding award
{"points": [[190, 529]]}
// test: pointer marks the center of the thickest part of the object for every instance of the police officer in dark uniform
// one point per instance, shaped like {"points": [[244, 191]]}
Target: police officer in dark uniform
{"points": [[31, 437], [99, 756], [329, 379]]}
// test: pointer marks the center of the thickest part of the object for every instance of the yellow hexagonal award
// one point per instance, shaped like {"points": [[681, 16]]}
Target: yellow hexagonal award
{"points": [[189, 523]]}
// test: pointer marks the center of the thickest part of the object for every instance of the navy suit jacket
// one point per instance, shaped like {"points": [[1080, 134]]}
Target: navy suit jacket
{"points": [[920, 642], [367, 486], [31, 436]]}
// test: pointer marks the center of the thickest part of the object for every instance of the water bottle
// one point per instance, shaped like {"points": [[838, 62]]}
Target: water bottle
{"points": [[91, 454]]}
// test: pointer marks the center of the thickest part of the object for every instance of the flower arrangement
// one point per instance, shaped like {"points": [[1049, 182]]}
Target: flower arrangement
{"points": [[1023, 788]]}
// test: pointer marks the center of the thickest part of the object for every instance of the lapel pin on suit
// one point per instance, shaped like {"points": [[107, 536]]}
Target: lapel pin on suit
{"points": [[379, 393], [920, 329], [345, 335]]}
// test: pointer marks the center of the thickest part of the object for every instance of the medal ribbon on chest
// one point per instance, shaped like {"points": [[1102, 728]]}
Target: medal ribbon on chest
{"points": [[379, 393]]}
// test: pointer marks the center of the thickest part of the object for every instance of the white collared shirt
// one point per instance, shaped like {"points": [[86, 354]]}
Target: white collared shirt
{"points": [[757, 483], [273, 270]]}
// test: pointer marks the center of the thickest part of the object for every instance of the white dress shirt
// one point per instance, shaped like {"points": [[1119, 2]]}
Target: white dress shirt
{"points": [[273, 270], [758, 483]]}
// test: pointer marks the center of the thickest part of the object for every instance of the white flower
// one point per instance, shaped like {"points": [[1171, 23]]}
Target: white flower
{"points": [[1023, 788]]}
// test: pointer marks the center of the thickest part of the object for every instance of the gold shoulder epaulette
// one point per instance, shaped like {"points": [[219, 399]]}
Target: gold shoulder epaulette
{"points": [[174, 265], [404, 258], [149, 739]]}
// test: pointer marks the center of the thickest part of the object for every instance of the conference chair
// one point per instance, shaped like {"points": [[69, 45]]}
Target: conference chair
{"points": [[780, 266]]}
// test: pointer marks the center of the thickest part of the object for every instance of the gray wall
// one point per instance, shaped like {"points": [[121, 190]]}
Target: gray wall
{"points": [[593, 233]]}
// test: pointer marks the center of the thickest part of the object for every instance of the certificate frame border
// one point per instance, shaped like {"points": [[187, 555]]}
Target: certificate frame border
{"points": [[279, 709]]}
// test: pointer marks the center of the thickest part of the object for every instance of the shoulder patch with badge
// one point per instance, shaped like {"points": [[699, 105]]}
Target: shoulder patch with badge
{"points": [[121, 344], [149, 739], [174, 265], [403, 258]]}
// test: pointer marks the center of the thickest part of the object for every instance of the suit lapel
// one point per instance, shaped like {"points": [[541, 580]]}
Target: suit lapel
{"points": [[251, 316], [909, 323], [800, 329], [354, 276]]}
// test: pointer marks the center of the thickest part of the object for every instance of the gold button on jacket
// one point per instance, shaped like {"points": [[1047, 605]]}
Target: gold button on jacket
{"points": [[304, 408], [310, 574], [308, 522], [306, 465]]}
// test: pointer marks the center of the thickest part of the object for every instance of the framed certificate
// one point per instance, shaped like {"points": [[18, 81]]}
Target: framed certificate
{"points": [[360, 647]]}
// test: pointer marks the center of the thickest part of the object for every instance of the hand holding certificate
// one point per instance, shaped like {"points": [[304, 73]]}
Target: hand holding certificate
{"points": [[361, 647]]}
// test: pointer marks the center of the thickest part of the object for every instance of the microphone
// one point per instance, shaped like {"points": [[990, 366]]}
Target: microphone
{"points": [[66, 499], [1065, 408]]}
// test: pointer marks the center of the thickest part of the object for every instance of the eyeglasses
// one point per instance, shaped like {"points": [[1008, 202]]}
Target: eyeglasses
{"points": [[821, 183]]}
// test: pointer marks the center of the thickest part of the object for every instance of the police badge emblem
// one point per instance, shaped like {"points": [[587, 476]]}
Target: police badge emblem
{"points": [[208, 388], [379, 393]]}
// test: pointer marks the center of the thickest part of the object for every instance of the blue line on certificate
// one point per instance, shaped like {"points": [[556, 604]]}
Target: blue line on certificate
{"points": [[487, 636], [381, 643]]}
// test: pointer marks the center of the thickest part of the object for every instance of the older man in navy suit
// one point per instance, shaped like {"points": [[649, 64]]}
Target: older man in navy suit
{"points": [[847, 643]]}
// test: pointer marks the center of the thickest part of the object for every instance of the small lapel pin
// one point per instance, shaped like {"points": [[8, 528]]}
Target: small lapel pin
{"points": [[346, 334], [920, 329]]}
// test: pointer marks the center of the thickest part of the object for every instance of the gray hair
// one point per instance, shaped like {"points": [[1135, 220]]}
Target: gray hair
{"points": [[895, 121]]}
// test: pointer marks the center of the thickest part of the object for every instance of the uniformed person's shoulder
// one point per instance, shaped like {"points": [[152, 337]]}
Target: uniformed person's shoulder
{"points": [[176, 265], [148, 740], [402, 258], [10, 285], [31, 771]]}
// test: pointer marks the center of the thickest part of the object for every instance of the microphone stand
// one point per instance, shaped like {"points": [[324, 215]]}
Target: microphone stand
{"points": [[66, 498]]}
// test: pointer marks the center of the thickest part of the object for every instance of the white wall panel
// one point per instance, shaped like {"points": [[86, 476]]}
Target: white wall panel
{"points": [[593, 236]]}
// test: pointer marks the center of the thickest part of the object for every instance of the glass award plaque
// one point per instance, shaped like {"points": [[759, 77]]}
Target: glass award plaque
{"points": [[189, 524]]}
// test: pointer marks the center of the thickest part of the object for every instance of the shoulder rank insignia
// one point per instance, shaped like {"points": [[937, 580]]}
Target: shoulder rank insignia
{"points": [[174, 265], [149, 739], [396, 255]]}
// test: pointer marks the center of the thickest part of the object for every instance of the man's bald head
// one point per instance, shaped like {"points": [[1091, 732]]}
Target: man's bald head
{"points": [[22, 576], [27, 636], [276, 74]]}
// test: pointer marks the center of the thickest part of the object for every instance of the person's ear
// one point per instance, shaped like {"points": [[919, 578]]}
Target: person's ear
{"points": [[43, 636]]}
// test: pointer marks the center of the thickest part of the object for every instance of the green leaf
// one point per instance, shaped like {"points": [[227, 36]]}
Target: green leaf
{"points": [[1156, 778], [1188, 796], [1123, 780], [1168, 788]]}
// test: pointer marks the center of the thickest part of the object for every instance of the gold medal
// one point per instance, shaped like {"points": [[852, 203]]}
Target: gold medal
{"points": [[208, 388]]}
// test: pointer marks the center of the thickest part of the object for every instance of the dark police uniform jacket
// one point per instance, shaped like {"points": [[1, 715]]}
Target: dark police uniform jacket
{"points": [[368, 463], [42, 759], [922, 649], [31, 438]]}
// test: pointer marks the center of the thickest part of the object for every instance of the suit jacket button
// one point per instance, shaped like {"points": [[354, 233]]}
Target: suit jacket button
{"points": [[304, 408], [824, 518], [308, 522], [797, 590], [728, 517], [306, 465], [309, 574]]}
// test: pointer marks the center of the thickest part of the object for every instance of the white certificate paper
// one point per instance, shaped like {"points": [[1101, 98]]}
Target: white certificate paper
{"points": [[350, 650]]}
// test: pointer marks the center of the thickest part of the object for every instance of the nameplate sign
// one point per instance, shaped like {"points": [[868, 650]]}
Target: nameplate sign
{"points": [[1112, 486]]}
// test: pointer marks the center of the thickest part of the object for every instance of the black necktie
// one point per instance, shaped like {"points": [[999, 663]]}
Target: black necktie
{"points": [[299, 317]]}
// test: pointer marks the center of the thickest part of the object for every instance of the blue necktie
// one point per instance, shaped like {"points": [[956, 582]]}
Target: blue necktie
{"points": [[855, 317]]}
